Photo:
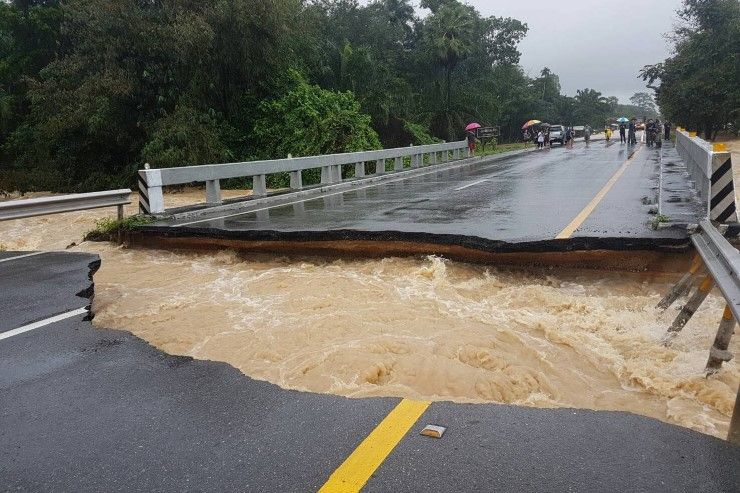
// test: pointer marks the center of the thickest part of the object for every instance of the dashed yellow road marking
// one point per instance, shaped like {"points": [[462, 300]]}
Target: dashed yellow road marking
{"points": [[356, 470], [581, 217]]}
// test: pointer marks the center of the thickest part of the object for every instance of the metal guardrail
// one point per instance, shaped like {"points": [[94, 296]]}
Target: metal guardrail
{"points": [[151, 181], [18, 209], [710, 167], [717, 263], [722, 260]]}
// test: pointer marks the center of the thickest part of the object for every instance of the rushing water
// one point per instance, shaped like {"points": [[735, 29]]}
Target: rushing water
{"points": [[414, 327]]}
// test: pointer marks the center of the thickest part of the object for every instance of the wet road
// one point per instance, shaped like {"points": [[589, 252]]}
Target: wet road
{"points": [[606, 191], [83, 409]]}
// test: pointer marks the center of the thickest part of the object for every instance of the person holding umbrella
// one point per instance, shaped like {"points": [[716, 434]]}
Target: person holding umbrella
{"points": [[470, 133], [530, 133], [631, 130], [623, 129]]}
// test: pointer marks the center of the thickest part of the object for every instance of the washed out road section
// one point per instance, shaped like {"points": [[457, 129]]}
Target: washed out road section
{"points": [[88, 409]]}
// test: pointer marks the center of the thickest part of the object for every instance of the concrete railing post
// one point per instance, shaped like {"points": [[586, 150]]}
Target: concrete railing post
{"points": [[327, 177], [296, 180], [259, 185], [213, 192], [151, 197], [398, 164], [360, 169], [380, 167], [336, 173], [433, 158]]}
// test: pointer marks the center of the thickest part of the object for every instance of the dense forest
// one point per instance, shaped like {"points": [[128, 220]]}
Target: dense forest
{"points": [[90, 90]]}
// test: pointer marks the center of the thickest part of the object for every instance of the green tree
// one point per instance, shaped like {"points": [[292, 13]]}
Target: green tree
{"points": [[29, 37], [309, 121], [449, 35], [591, 108], [699, 86], [644, 101]]}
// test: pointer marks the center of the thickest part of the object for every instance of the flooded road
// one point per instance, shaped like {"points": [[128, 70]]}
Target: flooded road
{"points": [[413, 327]]}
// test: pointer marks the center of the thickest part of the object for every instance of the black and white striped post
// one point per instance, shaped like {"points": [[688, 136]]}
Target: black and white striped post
{"points": [[722, 206], [151, 198]]}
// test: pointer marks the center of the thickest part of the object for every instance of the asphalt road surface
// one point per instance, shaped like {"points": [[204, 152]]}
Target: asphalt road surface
{"points": [[85, 409], [605, 194]]}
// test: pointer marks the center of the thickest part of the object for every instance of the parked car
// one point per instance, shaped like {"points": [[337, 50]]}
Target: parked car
{"points": [[557, 134]]}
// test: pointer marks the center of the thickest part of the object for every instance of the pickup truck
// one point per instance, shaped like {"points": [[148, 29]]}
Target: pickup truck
{"points": [[557, 134]]}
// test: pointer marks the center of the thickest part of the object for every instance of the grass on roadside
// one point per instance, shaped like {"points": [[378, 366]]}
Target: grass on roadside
{"points": [[658, 220], [108, 229], [490, 150]]}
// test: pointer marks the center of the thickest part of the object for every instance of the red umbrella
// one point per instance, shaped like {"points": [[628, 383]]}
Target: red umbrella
{"points": [[472, 126]]}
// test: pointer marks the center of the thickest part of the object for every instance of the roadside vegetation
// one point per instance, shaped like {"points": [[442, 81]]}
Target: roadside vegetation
{"points": [[698, 87], [182, 83], [659, 220], [109, 229]]}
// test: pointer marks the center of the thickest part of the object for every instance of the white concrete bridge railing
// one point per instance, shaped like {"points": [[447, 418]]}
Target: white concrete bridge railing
{"points": [[151, 181], [711, 169]]}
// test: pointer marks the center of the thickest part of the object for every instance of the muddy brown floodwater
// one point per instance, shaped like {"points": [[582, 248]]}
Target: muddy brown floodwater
{"points": [[415, 327]]}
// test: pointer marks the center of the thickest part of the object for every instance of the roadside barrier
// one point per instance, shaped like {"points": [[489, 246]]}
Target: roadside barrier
{"points": [[717, 263], [151, 181], [17, 209], [711, 169]]}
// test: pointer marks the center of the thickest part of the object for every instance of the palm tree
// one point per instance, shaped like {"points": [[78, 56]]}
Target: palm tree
{"points": [[449, 35]]}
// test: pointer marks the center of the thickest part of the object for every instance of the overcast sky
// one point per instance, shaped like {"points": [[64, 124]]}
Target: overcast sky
{"points": [[601, 45]]}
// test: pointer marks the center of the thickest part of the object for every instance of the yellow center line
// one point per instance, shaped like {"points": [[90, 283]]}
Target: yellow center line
{"points": [[356, 470], [581, 217]]}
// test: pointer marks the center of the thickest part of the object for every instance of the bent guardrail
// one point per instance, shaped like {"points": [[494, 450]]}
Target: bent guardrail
{"points": [[710, 167], [151, 181], [18, 209], [717, 263]]}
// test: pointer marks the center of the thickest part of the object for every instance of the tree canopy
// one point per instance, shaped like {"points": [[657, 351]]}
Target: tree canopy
{"points": [[699, 86]]}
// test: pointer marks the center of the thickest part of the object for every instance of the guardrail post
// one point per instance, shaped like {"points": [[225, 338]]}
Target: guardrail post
{"points": [[296, 180], [213, 192], [722, 207], [734, 435], [692, 305], [433, 158], [360, 170], [151, 198], [380, 167], [718, 353], [337, 170], [120, 212], [398, 164], [259, 185], [682, 286], [456, 154]]}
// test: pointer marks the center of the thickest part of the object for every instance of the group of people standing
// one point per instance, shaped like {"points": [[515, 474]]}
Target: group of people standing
{"points": [[542, 137], [653, 131]]}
